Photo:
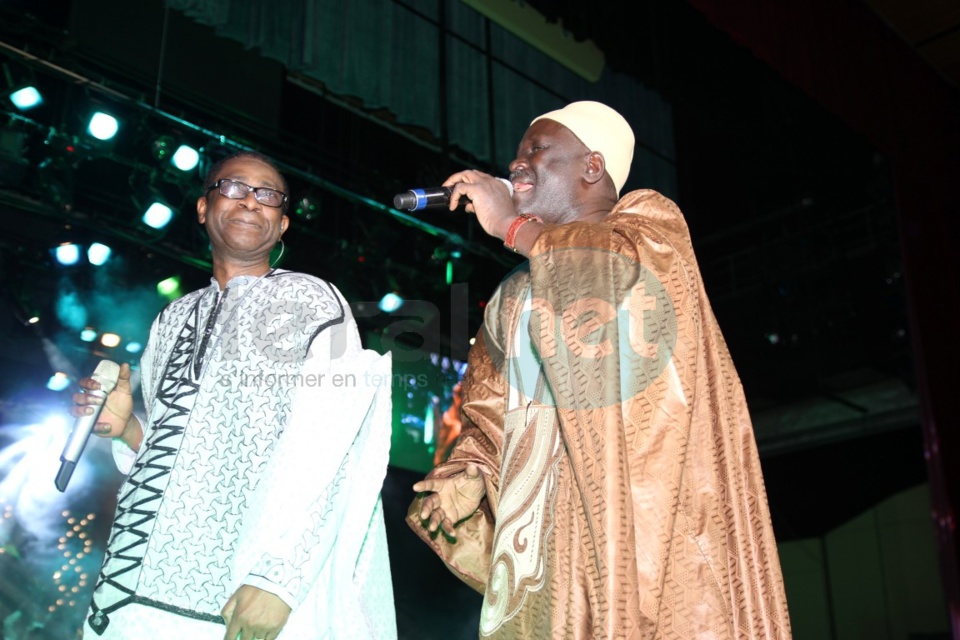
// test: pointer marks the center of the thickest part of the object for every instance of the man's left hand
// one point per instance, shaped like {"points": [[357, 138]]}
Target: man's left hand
{"points": [[254, 614]]}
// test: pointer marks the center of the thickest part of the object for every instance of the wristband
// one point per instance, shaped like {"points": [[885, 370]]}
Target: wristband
{"points": [[520, 220]]}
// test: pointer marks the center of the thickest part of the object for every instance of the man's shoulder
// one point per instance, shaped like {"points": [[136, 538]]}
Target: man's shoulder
{"points": [[319, 298], [303, 283], [639, 199], [646, 209]]}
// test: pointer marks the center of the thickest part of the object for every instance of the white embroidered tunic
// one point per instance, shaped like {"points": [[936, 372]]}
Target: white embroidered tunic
{"points": [[266, 421]]}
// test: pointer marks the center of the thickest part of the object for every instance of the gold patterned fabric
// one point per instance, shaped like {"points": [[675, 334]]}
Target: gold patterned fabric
{"points": [[624, 492]]}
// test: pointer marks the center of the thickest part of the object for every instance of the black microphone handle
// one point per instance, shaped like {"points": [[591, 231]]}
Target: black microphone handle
{"points": [[417, 199]]}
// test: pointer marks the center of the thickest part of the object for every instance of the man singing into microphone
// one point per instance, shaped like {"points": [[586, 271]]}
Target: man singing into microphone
{"points": [[251, 509], [606, 482]]}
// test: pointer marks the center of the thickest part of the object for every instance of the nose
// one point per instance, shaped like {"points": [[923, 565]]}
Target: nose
{"points": [[250, 202], [517, 164]]}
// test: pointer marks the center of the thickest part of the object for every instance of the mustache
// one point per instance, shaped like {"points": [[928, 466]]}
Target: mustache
{"points": [[519, 174]]}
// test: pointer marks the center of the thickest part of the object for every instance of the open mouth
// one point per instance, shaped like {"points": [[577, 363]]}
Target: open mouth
{"points": [[520, 187]]}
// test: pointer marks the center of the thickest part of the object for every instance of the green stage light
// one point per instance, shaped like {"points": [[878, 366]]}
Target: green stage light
{"points": [[169, 288]]}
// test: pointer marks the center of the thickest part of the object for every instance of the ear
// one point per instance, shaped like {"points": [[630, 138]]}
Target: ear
{"points": [[284, 223], [595, 168], [202, 209]]}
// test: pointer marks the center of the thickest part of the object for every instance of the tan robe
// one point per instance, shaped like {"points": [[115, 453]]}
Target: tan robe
{"points": [[624, 492]]}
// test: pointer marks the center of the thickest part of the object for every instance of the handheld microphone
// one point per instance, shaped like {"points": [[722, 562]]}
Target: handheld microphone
{"points": [[417, 199], [106, 374]]}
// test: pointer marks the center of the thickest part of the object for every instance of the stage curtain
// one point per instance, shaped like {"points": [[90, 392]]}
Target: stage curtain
{"points": [[473, 85]]}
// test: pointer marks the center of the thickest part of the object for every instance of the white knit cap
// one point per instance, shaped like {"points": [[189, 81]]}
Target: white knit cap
{"points": [[602, 129]]}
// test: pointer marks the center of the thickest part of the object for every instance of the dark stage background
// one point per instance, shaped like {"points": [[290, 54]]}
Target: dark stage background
{"points": [[811, 145]]}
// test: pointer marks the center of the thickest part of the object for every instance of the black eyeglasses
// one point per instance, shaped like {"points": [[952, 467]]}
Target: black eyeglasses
{"points": [[236, 190]]}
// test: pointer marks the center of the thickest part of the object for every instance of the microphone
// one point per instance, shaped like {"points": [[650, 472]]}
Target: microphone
{"points": [[417, 199], [106, 374]]}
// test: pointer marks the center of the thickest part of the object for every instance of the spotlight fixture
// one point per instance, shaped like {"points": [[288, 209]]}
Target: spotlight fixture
{"points": [[308, 207], [182, 156], [391, 302], [88, 335], [109, 340], [20, 88], [98, 254], [103, 126], [186, 158], [169, 288], [67, 254], [158, 215], [155, 207], [163, 147], [26, 98], [58, 381]]}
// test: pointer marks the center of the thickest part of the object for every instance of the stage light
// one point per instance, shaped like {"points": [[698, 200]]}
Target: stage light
{"points": [[103, 126], [26, 98], [134, 347], [307, 207], [67, 254], [154, 203], [88, 335], [390, 302], [98, 254], [33, 320], [20, 86], [169, 288], [110, 340], [58, 381], [186, 158], [157, 215], [163, 147]]}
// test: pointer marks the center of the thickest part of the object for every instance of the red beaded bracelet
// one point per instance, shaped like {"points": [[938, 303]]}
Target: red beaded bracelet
{"points": [[521, 220]]}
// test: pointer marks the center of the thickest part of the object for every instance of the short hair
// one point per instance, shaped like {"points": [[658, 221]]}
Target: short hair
{"points": [[217, 166]]}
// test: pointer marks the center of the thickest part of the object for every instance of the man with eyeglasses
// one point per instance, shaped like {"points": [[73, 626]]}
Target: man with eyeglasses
{"points": [[252, 503]]}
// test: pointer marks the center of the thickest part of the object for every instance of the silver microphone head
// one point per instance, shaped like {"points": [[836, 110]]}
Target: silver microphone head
{"points": [[106, 374]]}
